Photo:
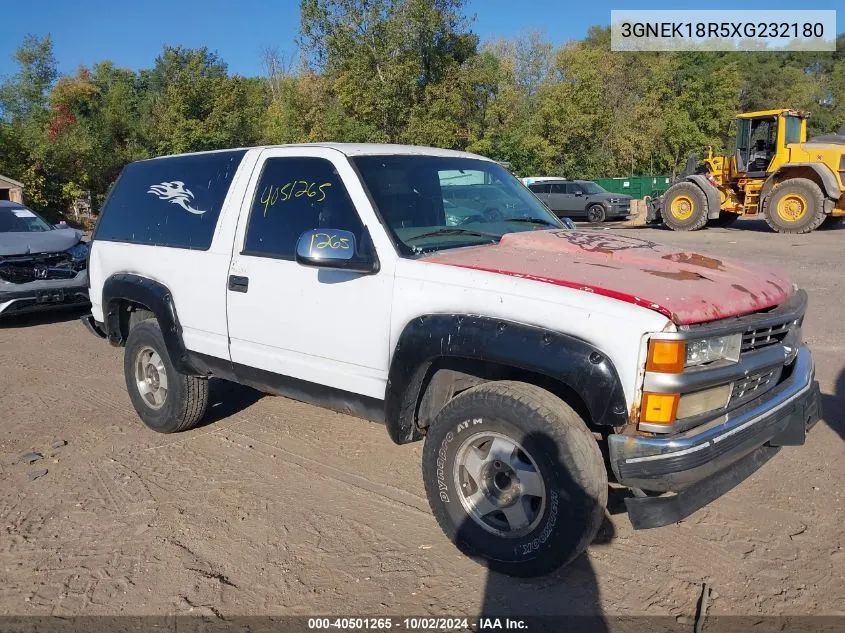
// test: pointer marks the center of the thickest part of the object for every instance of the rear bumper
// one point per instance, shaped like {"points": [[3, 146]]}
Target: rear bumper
{"points": [[43, 295], [707, 461]]}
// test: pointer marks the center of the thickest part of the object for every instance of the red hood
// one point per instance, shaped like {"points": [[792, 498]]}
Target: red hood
{"points": [[684, 286]]}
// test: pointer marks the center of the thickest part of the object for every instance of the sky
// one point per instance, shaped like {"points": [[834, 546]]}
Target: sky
{"points": [[88, 31]]}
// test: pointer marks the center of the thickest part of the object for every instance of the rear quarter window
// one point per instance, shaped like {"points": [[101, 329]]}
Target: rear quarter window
{"points": [[172, 201]]}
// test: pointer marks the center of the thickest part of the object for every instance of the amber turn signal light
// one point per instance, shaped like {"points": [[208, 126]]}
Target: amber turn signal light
{"points": [[668, 357], [659, 408]]}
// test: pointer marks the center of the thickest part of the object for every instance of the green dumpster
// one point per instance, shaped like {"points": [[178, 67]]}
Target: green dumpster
{"points": [[636, 186]]}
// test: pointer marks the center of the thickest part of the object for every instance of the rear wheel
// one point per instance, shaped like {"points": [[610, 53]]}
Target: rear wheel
{"points": [[514, 478], [795, 206], [684, 207], [596, 213], [166, 400]]}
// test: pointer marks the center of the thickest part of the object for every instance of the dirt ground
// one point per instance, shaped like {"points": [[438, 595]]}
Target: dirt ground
{"points": [[277, 507]]}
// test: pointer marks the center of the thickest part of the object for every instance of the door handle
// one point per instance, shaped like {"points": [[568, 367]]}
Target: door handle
{"points": [[238, 283]]}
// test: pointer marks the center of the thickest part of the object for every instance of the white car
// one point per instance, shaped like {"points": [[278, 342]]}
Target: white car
{"points": [[522, 352]]}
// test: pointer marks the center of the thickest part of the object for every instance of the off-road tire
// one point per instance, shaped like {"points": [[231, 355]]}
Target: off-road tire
{"points": [[566, 456], [803, 189], [725, 219], [697, 218], [187, 396], [596, 213]]}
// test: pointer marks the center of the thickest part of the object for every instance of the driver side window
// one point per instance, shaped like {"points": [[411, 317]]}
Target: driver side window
{"points": [[294, 195]]}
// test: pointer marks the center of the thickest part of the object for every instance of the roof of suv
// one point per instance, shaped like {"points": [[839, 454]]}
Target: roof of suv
{"points": [[362, 149]]}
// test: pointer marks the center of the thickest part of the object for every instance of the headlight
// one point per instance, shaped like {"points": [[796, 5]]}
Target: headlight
{"points": [[671, 357], [707, 350]]}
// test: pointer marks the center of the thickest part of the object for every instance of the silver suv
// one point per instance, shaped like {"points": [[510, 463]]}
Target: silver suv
{"points": [[582, 199]]}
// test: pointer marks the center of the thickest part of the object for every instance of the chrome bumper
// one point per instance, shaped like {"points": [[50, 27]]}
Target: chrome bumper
{"points": [[779, 417]]}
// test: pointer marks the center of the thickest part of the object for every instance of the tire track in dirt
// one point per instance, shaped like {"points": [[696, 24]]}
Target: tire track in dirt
{"points": [[387, 492]]}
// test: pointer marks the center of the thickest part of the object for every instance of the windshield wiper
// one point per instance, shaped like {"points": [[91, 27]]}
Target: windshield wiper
{"points": [[533, 221], [450, 230]]}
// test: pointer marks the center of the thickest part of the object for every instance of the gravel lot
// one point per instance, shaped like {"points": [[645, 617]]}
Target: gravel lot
{"points": [[277, 507]]}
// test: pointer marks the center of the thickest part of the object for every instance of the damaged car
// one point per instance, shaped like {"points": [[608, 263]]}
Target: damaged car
{"points": [[41, 266]]}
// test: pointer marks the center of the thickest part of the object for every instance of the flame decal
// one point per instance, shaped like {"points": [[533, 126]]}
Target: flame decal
{"points": [[176, 193]]}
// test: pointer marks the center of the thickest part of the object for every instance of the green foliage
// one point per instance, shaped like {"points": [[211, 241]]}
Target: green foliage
{"points": [[406, 71]]}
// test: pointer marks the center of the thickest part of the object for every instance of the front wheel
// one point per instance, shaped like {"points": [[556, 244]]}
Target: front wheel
{"points": [[596, 213], [166, 400], [684, 207], [514, 478]]}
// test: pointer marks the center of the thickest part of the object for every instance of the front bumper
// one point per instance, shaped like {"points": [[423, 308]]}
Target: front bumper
{"points": [[707, 461], [44, 295], [618, 210]]}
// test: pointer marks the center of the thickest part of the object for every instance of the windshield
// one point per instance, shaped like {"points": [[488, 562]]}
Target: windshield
{"points": [[435, 202], [591, 187], [21, 220]]}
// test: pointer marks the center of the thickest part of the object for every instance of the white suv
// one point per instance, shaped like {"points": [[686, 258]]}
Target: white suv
{"points": [[534, 360]]}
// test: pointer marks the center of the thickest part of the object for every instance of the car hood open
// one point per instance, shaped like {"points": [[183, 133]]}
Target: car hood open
{"points": [[685, 286], [54, 241]]}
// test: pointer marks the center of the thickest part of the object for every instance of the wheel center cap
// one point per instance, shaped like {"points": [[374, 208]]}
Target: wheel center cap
{"points": [[501, 483], [151, 376]]}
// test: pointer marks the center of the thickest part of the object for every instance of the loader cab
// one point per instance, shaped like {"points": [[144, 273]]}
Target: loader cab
{"points": [[762, 139]]}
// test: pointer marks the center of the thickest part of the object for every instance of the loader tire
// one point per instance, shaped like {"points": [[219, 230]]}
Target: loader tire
{"points": [[795, 206], [684, 207]]}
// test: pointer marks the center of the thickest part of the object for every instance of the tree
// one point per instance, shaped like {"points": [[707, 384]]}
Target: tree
{"points": [[380, 56], [406, 71], [25, 95]]}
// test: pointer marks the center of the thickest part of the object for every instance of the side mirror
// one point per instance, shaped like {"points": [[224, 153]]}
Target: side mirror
{"points": [[579, 193], [332, 248]]}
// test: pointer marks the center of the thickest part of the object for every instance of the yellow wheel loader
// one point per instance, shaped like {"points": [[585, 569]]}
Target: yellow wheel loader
{"points": [[775, 173]]}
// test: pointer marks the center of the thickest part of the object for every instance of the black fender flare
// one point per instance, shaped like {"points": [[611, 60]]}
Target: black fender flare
{"points": [[577, 364], [711, 192], [159, 300], [829, 184]]}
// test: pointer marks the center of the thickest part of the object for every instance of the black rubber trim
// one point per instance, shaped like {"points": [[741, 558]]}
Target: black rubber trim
{"points": [[575, 363], [294, 388], [93, 326], [155, 297], [652, 512]]}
